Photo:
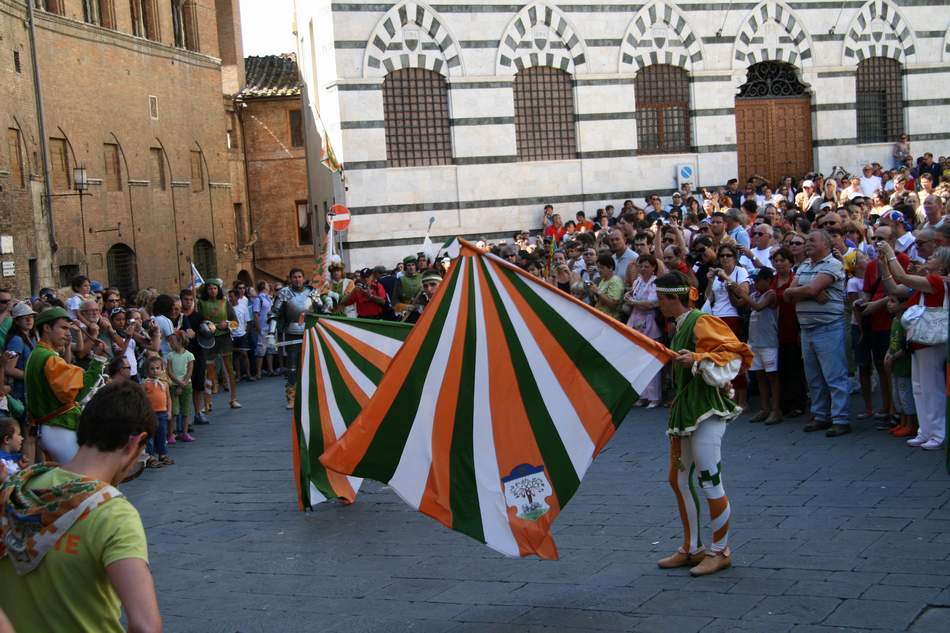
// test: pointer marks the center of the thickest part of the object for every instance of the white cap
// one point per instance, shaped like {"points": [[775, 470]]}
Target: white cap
{"points": [[777, 197], [809, 183]]}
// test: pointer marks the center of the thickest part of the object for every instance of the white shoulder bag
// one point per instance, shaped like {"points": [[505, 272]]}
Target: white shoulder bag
{"points": [[927, 326]]}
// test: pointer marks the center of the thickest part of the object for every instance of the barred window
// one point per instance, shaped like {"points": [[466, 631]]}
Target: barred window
{"points": [[662, 106], [416, 111], [879, 96], [544, 114]]}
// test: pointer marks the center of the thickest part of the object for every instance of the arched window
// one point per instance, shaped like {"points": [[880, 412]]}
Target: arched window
{"points": [[544, 114], [879, 95], [204, 259], [662, 105], [416, 110], [122, 269]]}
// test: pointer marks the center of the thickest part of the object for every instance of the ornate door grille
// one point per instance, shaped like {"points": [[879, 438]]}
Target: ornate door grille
{"points": [[768, 80], [879, 93], [544, 114], [416, 110], [662, 106]]}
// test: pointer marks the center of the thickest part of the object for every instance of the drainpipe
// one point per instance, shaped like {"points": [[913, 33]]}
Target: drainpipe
{"points": [[41, 127]]}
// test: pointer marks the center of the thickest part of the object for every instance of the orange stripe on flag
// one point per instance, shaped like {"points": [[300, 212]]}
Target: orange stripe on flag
{"points": [[436, 500], [595, 417], [513, 435]]}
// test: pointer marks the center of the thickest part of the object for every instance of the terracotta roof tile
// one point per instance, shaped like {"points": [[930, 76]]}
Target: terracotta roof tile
{"points": [[271, 76]]}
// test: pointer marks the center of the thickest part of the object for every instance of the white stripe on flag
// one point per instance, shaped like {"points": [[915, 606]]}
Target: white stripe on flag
{"points": [[384, 344], [306, 375], [577, 442], [491, 497], [315, 495], [638, 367], [364, 383], [412, 473]]}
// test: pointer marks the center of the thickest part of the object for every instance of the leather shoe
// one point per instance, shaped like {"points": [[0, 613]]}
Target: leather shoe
{"points": [[838, 429], [681, 559], [815, 425], [712, 563]]}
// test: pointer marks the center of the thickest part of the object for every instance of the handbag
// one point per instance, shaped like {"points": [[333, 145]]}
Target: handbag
{"points": [[927, 326]]}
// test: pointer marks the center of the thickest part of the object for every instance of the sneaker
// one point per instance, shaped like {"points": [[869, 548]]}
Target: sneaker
{"points": [[932, 445], [171, 440], [186, 437], [917, 441], [201, 418]]}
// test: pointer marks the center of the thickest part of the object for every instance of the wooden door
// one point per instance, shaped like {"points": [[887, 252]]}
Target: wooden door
{"points": [[773, 137]]}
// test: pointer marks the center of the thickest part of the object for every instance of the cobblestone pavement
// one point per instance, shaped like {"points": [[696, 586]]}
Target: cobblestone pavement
{"points": [[846, 534]]}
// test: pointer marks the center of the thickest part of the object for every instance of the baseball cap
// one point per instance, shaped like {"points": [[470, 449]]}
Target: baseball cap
{"points": [[366, 272], [808, 183]]}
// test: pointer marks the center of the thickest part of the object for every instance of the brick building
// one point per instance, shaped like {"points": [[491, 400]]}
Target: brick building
{"points": [[270, 115], [139, 94], [478, 113]]}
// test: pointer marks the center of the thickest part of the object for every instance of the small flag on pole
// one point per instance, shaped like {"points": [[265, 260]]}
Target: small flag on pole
{"points": [[497, 403], [341, 362], [196, 278]]}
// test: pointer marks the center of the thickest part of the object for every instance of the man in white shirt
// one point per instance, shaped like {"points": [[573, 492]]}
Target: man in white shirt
{"points": [[761, 252], [869, 183]]}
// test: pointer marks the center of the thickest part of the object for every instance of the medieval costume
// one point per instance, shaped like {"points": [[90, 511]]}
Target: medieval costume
{"points": [[701, 408], [215, 308]]}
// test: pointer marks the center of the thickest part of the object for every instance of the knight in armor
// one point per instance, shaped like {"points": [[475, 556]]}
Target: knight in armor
{"points": [[430, 284], [708, 357], [215, 309], [55, 388], [290, 308]]}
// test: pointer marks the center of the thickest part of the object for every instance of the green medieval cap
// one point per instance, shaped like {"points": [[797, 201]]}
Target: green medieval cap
{"points": [[50, 315]]}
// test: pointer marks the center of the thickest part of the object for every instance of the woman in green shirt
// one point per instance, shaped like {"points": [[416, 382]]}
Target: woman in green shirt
{"points": [[608, 294]]}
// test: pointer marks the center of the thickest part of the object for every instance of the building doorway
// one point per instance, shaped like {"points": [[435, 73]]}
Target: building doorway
{"points": [[122, 269], [773, 123]]}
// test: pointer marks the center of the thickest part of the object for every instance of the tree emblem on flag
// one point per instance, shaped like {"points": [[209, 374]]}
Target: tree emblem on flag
{"points": [[526, 489]]}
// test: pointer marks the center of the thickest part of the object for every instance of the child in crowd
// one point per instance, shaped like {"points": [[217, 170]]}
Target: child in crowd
{"points": [[897, 361], [239, 336], [181, 364], [11, 441], [763, 339], [161, 401]]}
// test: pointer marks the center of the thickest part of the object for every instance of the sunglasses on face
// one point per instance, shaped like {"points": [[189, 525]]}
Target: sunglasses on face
{"points": [[796, 243]]}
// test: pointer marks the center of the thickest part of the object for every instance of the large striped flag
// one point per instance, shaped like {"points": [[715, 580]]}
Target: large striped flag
{"points": [[496, 405], [342, 360]]}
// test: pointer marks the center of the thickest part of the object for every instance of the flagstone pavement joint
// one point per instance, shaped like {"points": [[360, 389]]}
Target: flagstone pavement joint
{"points": [[844, 535]]}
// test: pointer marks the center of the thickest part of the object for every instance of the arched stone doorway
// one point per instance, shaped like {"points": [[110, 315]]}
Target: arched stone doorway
{"points": [[122, 269], [773, 123]]}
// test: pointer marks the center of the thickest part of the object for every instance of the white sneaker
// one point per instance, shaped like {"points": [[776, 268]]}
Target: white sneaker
{"points": [[931, 445], [917, 441]]}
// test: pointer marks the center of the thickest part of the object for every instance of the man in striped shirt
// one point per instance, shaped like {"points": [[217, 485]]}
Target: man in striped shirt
{"points": [[818, 293]]}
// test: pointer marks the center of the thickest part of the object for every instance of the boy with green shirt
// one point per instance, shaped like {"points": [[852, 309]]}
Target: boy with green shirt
{"points": [[73, 552], [897, 362]]}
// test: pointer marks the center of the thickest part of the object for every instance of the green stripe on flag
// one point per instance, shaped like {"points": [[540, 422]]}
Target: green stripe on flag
{"points": [[389, 329], [463, 496], [557, 462], [369, 369], [382, 456], [346, 403], [613, 389]]}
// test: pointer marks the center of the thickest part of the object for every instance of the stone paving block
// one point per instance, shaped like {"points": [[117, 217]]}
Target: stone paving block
{"points": [[792, 610], [876, 614], [699, 603], [478, 592], [578, 618], [671, 624], [903, 594], [763, 586], [492, 613], [827, 589], [932, 620]]}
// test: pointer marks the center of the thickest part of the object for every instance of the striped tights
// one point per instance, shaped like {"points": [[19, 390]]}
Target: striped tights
{"points": [[697, 459]]}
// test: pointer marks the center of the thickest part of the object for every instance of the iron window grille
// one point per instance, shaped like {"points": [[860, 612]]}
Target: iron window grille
{"points": [[545, 127], [416, 113], [879, 96], [662, 108]]}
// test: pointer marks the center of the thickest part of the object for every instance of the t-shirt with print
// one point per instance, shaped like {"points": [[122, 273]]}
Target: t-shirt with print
{"points": [[69, 590], [178, 363]]}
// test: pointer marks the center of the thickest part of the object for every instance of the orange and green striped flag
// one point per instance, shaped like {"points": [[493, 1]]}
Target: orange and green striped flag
{"points": [[341, 362], [500, 398]]}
